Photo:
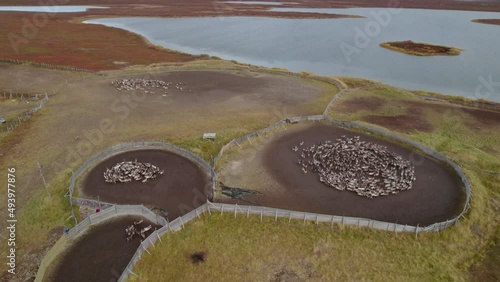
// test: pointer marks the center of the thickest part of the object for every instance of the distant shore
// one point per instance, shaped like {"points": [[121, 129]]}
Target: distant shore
{"points": [[420, 49], [487, 21]]}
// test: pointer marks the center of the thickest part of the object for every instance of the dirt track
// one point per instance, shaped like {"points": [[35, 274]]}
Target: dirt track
{"points": [[437, 194], [99, 255], [182, 187]]}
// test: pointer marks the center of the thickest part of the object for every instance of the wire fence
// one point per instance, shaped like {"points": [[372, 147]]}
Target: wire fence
{"points": [[123, 147], [115, 210], [26, 115], [179, 224], [154, 237], [48, 66], [388, 135], [209, 207]]}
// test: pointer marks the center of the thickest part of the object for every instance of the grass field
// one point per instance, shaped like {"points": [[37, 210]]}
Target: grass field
{"points": [[58, 129], [307, 251], [248, 250]]}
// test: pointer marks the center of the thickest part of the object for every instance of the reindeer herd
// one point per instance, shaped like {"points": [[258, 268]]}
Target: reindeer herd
{"points": [[127, 171], [368, 169], [148, 85]]}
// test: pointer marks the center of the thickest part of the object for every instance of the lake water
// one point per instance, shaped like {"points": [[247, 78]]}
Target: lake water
{"points": [[49, 9], [319, 45]]}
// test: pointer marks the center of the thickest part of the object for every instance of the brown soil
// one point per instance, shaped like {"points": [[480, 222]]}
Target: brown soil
{"points": [[488, 21], [101, 254], [436, 195], [361, 104], [401, 123], [216, 104], [420, 49], [480, 117], [182, 187], [416, 116]]}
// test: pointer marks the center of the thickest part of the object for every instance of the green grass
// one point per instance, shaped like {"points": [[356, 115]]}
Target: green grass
{"points": [[43, 213], [248, 250], [245, 249]]}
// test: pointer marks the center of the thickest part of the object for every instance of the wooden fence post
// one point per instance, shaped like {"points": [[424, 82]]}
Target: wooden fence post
{"points": [[276, 215], [261, 215], [145, 248]]}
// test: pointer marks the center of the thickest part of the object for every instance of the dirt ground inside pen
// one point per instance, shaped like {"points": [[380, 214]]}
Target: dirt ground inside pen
{"points": [[67, 131], [436, 195], [182, 187], [101, 254]]}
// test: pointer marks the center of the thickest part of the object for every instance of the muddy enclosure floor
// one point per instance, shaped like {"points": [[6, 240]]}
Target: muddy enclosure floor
{"points": [[182, 187], [101, 254], [436, 195]]}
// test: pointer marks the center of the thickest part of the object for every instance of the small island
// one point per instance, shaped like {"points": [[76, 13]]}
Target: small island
{"points": [[487, 21], [420, 49]]}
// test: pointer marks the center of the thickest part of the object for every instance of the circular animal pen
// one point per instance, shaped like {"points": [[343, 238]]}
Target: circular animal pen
{"points": [[439, 198], [115, 154], [183, 181]]}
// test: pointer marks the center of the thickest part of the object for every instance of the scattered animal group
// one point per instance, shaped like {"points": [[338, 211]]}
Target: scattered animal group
{"points": [[133, 230], [368, 169], [146, 85], [127, 171]]}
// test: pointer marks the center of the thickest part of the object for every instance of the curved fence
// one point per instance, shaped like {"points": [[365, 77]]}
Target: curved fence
{"points": [[246, 211], [209, 207], [124, 147], [387, 134], [112, 211]]}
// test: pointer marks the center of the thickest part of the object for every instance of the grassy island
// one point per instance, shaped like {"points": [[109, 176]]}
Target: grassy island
{"points": [[420, 49]]}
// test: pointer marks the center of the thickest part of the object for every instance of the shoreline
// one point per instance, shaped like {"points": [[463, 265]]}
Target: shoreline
{"points": [[221, 7], [487, 21], [420, 48]]}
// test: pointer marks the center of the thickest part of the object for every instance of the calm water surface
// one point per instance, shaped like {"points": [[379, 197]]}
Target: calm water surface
{"points": [[319, 45]]}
